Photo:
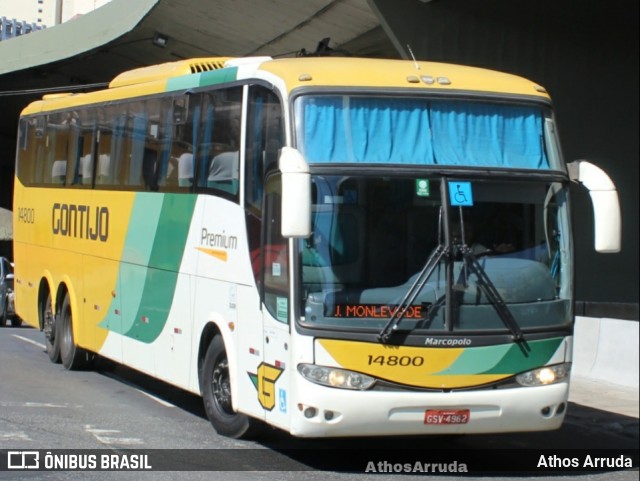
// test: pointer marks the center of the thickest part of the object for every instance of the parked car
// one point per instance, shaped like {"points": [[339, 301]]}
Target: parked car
{"points": [[7, 308]]}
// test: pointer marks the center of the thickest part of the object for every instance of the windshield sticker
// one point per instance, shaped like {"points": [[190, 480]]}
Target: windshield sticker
{"points": [[460, 194], [276, 269], [282, 309], [422, 188]]}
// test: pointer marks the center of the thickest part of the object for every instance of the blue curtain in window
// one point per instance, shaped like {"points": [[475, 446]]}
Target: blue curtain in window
{"points": [[137, 147], [204, 152], [420, 132], [477, 134], [367, 130], [325, 133], [395, 130], [117, 144], [165, 141]]}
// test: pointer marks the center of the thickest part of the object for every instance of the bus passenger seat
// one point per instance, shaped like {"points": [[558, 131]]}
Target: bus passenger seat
{"points": [[59, 172], [223, 172], [86, 168], [185, 170], [104, 166]]}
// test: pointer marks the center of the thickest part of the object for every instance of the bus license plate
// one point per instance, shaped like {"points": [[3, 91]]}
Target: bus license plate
{"points": [[446, 416]]}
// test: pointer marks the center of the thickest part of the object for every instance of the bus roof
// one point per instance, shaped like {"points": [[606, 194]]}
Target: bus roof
{"points": [[384, 73], [347, 72]]}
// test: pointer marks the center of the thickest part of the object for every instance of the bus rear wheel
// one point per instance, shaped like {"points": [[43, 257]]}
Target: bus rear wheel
{"points": [[216, 394], [49, 326], [73, 357]]}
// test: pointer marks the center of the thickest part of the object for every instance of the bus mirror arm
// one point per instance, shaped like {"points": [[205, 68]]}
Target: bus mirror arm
{"points": [[605, 202], [296, 194]]}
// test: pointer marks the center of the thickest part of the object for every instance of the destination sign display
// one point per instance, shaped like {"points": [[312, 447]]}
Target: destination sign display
{"points": [[382, 311]]}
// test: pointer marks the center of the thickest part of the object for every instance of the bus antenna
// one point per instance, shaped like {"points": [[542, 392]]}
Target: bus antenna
{"points": [[415, 62]]}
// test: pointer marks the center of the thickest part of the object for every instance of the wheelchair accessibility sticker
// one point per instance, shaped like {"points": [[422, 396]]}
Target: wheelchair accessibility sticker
{"points": [[460, 194]]}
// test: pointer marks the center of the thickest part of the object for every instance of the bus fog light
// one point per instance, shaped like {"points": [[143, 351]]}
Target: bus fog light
{"points": [[335, 377], [310, 412], [545, 375]]}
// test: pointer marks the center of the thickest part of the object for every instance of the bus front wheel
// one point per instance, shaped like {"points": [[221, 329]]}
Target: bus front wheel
{"points": [[73, 357], [216, 394]]}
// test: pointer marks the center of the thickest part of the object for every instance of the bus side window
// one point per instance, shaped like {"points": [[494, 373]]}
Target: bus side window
{"points": [[112, 153], [83, 171], [164, 145], [263, 141], [137, 132], [57, 147], [26, 151], [218, 155], [184, 136], [275, 253], [149, 169], [265, 137]]}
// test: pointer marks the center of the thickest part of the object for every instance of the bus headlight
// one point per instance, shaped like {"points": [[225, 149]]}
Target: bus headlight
{"points": [[545, 375], [335, 377]]}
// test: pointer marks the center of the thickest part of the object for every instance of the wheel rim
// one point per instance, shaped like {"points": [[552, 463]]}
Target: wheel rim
{"points": [[221, 387], [48, 321]]}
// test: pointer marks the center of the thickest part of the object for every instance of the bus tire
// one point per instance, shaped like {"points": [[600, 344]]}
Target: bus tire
{"points": [[49, 326], [73, 357], [216, 395]]}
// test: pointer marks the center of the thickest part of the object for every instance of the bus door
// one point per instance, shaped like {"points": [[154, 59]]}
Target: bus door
{"points": [[274, 371]]}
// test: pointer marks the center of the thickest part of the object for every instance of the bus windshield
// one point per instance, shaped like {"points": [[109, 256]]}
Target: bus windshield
{"points": [[372, 236]]}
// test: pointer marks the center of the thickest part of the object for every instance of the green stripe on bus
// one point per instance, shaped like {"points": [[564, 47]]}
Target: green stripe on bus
{"points": [[151, 258], [136, 252], [164, 262], [503, 359], [515, 360], [213, 77], [183, 83], [203, 79]]}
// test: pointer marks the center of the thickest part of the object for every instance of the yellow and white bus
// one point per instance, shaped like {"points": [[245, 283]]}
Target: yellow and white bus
{"points": [[331, 246]]}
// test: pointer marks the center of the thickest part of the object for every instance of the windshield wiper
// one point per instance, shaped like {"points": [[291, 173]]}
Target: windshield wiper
{"points": [[493, 295], [412, 293]]}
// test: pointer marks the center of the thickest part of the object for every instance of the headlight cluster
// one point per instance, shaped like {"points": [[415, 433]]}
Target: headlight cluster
{"points": [[335, 377], [545, 375]]}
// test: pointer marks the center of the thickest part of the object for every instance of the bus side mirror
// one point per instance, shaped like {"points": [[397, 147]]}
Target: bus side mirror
{"points": [[606, 206], [296, 194]]}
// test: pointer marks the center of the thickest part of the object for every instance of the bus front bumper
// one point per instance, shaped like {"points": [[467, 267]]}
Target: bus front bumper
{"points": [[328, 412]]}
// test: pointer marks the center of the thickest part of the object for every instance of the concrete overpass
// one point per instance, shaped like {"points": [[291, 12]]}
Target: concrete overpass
{"points": [[584, 52], [123, 35]]}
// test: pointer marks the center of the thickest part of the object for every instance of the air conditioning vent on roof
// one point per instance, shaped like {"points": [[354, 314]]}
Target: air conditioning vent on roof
{"points": [[206, 65], [168, 70]]}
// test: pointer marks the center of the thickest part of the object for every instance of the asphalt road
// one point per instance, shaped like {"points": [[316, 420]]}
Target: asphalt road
{"points": [[114, 409]]}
